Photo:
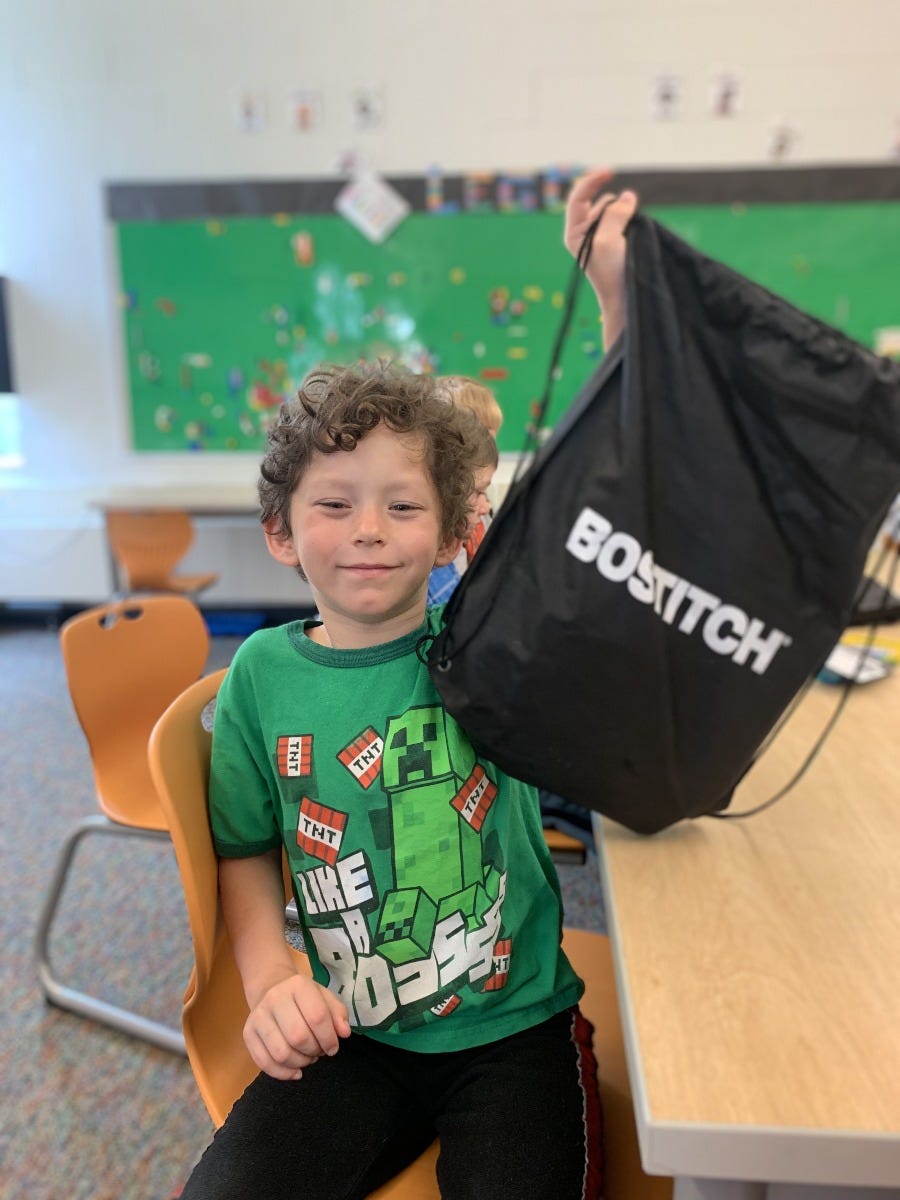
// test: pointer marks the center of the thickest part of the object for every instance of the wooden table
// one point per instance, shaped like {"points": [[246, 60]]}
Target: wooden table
{"points": [[758, 966]]}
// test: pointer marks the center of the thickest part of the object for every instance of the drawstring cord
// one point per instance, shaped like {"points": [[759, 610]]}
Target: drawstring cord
{"points": [[532, 432]]}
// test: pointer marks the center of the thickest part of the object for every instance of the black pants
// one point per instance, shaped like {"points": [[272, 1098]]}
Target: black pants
{"points": [[518, 1119]]}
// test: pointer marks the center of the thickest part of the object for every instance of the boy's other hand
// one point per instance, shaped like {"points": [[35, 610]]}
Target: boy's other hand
{"points": [[606, 265], [295, 1023]]}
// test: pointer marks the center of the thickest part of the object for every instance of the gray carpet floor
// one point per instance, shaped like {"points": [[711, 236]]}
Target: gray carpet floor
{"points": [[87, 1113]]}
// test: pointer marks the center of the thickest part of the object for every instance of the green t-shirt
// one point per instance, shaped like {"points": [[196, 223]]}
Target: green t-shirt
{"points": [[427, 896]]}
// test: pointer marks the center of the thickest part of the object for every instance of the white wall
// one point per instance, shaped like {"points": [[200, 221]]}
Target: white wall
{"points": [[116, 90]]}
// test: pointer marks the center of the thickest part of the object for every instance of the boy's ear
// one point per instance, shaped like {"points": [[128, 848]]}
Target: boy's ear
{"points": [[280, 544], [447, 551]]}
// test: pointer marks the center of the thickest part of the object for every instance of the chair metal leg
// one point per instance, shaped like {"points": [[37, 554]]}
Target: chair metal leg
{"points": [[72, 999]]}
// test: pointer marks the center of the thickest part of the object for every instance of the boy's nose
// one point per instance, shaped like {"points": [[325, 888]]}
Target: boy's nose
{"points": [[369, 525]]}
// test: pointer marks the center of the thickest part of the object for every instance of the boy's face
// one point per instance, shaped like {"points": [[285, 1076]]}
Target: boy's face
{"points": [[366, 527]]}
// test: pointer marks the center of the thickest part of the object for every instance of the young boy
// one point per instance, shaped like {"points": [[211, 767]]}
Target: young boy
{"points": [[440, 1001]]}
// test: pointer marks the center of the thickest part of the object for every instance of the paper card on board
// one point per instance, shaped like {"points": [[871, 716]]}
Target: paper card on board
{"points": [[372, 205]]}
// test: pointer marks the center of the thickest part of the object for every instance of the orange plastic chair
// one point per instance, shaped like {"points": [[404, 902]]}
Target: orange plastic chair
{"points": [[125, 663], [147, 545], [564, 848], [215, 1008]]}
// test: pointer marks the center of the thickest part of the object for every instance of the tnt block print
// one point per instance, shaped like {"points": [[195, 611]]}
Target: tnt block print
{"points": [[500, 971], [362, 757], [406, 925], [294, 755], [475, 797], [446, 1007], [320, 830]]}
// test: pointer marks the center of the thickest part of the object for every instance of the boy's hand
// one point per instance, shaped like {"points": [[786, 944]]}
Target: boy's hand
{"points": [[295, 1022], [606, 265]]}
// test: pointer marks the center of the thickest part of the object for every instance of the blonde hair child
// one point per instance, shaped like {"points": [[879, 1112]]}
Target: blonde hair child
{"points": [[470, 394]]}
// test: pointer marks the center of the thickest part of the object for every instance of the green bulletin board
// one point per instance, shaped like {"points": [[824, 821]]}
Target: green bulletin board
{"points": [[224, 315]]}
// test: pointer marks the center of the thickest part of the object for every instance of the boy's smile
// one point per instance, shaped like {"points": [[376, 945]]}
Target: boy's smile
{"points": [[366, 529]]}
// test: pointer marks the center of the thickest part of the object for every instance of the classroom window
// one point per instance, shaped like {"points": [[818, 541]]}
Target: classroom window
{"points": [[11, 455]]}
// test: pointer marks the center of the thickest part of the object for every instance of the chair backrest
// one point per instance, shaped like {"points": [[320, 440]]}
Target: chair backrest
{"points": [[148, 544], [125, 663], [215, 1008]]}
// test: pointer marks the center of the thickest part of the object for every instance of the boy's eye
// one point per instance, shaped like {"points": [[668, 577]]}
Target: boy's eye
{"points": [[331, 504], [405, 506]]}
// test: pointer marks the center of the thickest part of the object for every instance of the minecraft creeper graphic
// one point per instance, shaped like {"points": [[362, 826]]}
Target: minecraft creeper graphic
{"points": [[406, 925], [424, 765]]}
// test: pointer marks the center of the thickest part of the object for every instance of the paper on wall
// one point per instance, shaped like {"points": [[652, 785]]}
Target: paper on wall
{"points": [[372, 205]]}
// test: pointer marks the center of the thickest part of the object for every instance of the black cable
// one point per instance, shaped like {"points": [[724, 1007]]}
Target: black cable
{"points": [[832, 720]]}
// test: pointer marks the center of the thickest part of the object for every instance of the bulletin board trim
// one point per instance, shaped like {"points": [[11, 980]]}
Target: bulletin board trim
{"points": [[159, 201]]}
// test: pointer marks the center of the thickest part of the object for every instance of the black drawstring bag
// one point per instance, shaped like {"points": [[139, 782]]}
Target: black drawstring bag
{"points": [[682, 554]]}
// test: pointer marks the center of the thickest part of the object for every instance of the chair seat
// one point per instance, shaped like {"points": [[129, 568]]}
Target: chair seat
{"points": [[186, 584], [591, 956], [126, 794]]}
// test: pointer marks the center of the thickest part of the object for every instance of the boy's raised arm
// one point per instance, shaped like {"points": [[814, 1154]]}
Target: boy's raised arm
{"points": [[605, 268]]}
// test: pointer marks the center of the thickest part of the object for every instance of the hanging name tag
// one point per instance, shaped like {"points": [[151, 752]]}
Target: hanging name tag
{"points": [[372, 206]]}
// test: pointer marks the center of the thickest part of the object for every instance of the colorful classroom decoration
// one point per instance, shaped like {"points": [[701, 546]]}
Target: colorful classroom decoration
{"points": [[232, 292]]}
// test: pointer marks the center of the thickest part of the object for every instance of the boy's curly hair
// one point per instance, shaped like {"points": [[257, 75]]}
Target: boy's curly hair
{"points": [[337, 406]]}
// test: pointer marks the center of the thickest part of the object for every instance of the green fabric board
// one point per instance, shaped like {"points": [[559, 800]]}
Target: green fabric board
{"points": [[222, 318]]}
